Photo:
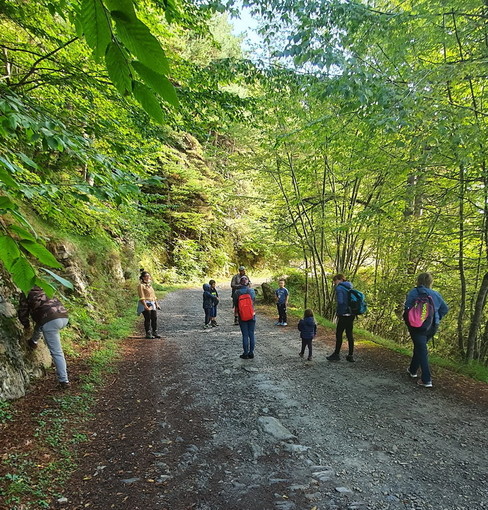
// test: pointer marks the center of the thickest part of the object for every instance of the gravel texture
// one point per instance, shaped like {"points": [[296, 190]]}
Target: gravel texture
{"points": [[187, 424]]}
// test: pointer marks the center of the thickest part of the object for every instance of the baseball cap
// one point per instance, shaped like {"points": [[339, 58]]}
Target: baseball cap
{"points": [[242, 268]]}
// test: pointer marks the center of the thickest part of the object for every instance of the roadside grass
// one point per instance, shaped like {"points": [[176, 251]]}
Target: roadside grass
{"points": [[34, 478]]}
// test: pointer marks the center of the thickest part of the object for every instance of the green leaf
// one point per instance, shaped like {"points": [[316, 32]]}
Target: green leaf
{"points": [[158, 82], [96, 26], [9, 251], [6, 169], [27, 160], [23, 274], [59, 279], [46, 286], [40, 252], [118, 69], [148, 101], [141, 43], [125, 7], [6, 203], [22, 233]]}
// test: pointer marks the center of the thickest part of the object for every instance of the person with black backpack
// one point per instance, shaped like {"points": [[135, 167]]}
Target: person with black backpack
{"points": [[424, 309], [243, 301], [345, 318]]}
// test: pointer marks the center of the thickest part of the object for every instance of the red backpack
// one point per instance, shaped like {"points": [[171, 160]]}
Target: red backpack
{"points": [[245, 307]]}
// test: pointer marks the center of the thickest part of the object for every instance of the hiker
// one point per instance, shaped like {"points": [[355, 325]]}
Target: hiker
{"points": [[308, 330], [281, 296], [243, 301], [50, 317], [345, 318], [213, 314], [235, 284], [148, 304], [420, 336], [209, 303]]}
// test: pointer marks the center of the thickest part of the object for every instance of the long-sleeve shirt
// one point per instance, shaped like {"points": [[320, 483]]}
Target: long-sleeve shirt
{"points": [[146, 292]]}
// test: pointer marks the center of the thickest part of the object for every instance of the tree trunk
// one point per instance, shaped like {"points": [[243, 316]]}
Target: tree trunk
{"points": [[477, 316]]}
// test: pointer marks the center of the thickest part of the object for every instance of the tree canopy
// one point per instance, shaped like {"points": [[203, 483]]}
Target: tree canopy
{"points": [[358, 146]]}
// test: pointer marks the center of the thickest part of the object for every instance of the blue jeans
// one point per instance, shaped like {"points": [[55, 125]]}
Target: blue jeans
{"points": [[420, 358], [50, 331], [247, 330]]}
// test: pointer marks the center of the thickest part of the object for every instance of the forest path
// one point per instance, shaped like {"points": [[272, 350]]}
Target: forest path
{"points": [[182, 426]]}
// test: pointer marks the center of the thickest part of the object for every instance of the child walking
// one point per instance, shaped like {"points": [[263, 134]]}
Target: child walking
{"points": [[213, 313], [308, 330]]}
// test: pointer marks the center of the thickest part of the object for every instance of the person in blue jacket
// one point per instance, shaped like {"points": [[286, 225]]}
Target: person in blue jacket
{"points": [[308, 330], [420, 357], [345, 318], [209, 302]]}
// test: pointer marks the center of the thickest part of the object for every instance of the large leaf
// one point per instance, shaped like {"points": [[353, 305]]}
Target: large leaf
{"points": [[141, 43], [96, 24], [23, 274], [148, 101], [59, 279], [118, 69], [157, 82], [6, 168], [22, 233], [125, 7], [6, 203], [46, 286], [9, 251], [40, 252]]}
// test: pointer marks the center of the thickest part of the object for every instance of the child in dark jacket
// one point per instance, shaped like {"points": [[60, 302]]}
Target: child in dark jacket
{"points": [[308, 330], [209, 301], [215, 294]]}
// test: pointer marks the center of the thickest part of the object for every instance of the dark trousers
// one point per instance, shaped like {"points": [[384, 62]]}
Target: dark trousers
{"points": [[307, 343], [344, 323], [150, 320], [420, 358], [281, 312], [208, 315]]}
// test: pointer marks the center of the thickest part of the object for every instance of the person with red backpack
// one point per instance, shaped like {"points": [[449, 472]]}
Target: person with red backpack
{"points": [[243, 301], [424, 309]]}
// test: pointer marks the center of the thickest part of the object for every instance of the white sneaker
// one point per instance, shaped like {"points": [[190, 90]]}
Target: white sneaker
{"points": [[413, 376], [284, 323], [425, 384]]}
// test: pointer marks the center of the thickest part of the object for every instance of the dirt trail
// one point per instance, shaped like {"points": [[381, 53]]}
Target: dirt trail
{"points": [[182, 425]]}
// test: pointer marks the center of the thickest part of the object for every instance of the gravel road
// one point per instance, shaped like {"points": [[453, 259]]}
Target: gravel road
{"points": [[187, 424]]}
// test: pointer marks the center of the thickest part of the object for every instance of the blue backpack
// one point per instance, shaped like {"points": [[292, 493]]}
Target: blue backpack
{"points": [[356, 302]]}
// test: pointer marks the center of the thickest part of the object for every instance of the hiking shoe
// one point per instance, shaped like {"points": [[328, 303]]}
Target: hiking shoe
{"points": [[333, 357], [250, 355], [244, 356], [413, 376], [148, 335], [64, 385], [278, 323], [309, 358], [424, 384], [236, 322], [284, 323], [32, 344], [155, 335], [350, 358], [300, 354]]}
